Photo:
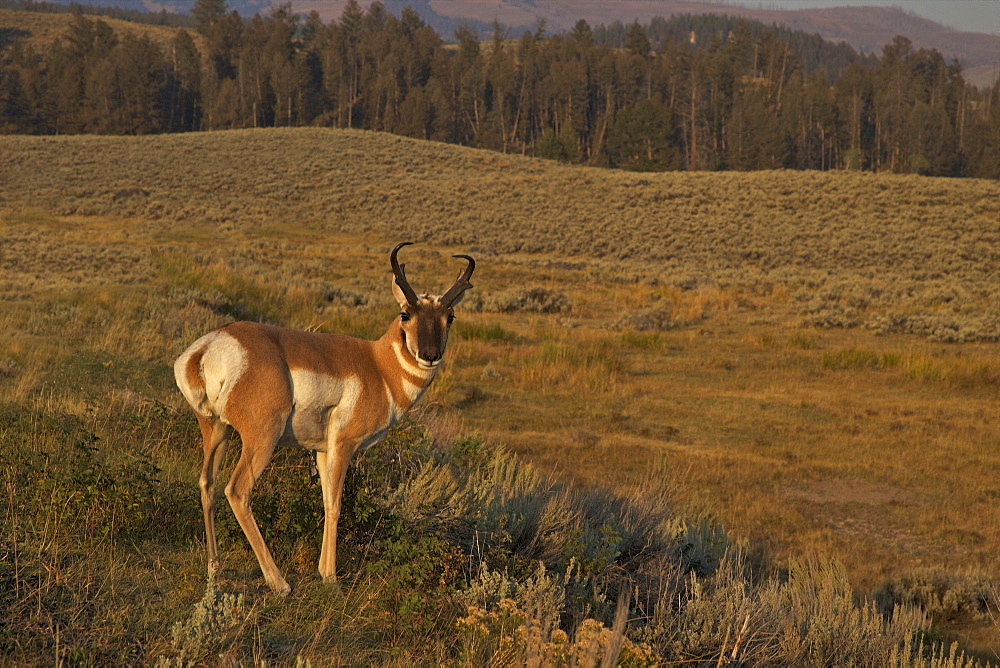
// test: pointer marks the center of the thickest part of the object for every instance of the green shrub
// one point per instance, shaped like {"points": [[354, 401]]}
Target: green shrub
{"points": [[57, 465]]}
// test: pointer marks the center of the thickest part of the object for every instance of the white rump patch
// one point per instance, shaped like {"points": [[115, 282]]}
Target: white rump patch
{"points": [[223, 362], [222, 365]]}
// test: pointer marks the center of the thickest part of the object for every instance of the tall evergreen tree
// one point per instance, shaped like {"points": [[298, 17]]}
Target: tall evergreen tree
{"points": [[207, 13], [184, 105], [642, 138]]}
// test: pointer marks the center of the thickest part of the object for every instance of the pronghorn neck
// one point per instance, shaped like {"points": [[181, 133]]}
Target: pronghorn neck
{"points": [[397, 361]]}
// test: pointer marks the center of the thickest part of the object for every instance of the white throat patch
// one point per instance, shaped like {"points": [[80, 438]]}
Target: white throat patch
{"points": [[406, 365]]}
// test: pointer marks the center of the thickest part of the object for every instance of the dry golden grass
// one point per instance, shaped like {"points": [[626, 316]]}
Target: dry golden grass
{"points": [[890, 253], [705, 336]]}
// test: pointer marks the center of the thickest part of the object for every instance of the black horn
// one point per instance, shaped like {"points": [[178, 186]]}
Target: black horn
{"points": [[461, 285], [399, 273]]}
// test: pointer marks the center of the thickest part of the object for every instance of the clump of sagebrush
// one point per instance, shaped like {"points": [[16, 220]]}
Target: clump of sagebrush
{"points": [[211, 627], [809, 619], [947, 597], [658, 318], [547, 564], [940, 327], [675, 307], [527, 300], [518, 622]]}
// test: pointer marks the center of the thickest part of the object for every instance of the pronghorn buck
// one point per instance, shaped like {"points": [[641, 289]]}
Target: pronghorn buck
{"points": [[329, 393]]}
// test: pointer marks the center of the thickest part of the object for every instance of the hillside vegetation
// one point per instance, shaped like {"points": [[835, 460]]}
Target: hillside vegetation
{"points": [[38, 31], [888, 253], [686, 417]]}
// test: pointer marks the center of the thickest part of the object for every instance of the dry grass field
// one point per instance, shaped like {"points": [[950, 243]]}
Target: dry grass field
{"points": [[809, 360]]}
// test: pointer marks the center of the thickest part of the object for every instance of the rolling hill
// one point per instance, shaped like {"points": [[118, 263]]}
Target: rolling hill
{"points": [[39, 30]]}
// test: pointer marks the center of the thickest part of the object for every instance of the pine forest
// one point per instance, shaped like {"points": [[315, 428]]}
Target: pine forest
{"points": [[688, 93]]}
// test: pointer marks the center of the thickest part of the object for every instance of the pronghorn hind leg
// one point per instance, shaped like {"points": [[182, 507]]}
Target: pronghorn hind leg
{"points": [[332, 472], [214, 436], [257, 451]]}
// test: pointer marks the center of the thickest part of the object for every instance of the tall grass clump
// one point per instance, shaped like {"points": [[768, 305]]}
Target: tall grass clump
{"points": [[591, 362]]}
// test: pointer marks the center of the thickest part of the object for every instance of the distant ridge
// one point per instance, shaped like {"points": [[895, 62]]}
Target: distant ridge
{"points": [[867, 29]]}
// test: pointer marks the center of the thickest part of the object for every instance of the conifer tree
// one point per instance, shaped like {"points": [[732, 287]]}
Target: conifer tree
{"points": [[642, 138], [207, 13], [183, 112], [695, 92]]}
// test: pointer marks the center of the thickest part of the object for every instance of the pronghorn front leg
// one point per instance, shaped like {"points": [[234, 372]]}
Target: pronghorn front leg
{"points": [[332, 467]]}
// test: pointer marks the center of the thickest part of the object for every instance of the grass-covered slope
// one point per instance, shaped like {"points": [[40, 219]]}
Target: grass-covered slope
{"points": [[679, 343], [39, 30], [894, 253]]}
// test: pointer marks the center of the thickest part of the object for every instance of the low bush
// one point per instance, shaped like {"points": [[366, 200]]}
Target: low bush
{"points": [[530, 300]]}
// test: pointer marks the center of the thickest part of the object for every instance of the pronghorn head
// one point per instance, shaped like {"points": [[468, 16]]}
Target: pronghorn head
{"points": [[424, 320]]}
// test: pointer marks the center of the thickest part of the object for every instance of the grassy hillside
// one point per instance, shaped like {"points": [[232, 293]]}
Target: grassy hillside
{"points": [[39, 30], [769, 388], [884, 253]]}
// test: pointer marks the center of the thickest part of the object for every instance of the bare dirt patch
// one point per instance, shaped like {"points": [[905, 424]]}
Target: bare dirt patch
{"points": [[853, 491]]}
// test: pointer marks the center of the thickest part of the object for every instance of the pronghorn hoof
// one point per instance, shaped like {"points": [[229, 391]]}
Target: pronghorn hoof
{"points": [[280, 588]]}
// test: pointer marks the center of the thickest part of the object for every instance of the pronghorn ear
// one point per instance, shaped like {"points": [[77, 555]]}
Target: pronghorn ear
{"points": [[397, 292]]}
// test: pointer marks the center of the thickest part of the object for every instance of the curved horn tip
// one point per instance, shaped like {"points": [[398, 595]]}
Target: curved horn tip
{"points": [[400, 276], [470, 267]]}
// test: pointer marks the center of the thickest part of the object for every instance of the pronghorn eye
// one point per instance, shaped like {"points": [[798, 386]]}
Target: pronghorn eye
{"points": [[451, 318], [404, 316]]}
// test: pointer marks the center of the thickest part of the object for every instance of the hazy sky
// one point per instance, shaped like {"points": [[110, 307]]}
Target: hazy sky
{"points": [[971, 15]]}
